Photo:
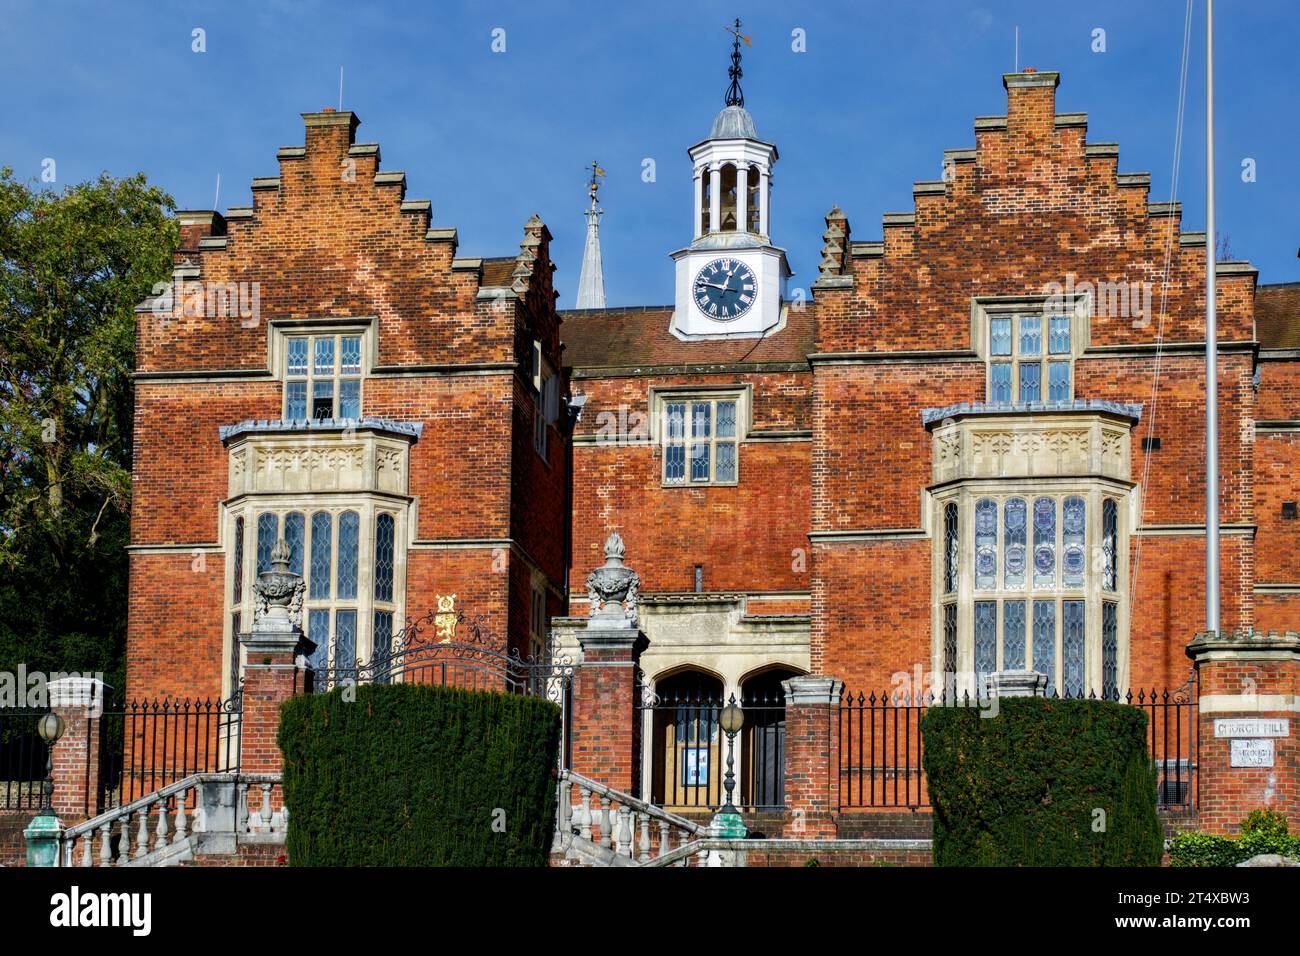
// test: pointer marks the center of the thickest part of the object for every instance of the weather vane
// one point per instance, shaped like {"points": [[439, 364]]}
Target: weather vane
{"points": [[734, 95], [597, 174]]}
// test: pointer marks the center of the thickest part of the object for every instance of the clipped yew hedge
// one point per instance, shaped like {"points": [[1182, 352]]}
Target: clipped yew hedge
{"points": [[414, 775], [1024, 787]]}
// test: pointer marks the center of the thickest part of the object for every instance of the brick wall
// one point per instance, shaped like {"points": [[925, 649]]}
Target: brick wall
{"points": [[1032, 206], [748, 537], [333, 237]]}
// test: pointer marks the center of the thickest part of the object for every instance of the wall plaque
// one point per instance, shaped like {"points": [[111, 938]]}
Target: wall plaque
{"points": [[1252, 727], [1251, 753]]}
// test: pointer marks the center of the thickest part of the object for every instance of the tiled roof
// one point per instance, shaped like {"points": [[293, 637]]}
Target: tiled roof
{"points": [[1277, 315], [497, 272], [639, 336]]}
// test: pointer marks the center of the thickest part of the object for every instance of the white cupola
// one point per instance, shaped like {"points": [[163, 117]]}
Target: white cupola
{"points": [[731, 280]]}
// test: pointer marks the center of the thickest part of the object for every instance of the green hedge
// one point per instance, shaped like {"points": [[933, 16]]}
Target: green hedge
{"points": [[411, 775], [1264, 831], [1023, 788]]}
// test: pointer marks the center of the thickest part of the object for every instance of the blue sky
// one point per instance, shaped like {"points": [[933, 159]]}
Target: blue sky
{"points": [[490, 138]]}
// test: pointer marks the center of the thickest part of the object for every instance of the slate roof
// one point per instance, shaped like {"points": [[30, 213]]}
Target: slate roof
{"points": [[639, 336], [1277, 315]]}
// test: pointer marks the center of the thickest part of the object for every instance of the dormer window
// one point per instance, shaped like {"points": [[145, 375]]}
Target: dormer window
{"points": [[322, 376]]}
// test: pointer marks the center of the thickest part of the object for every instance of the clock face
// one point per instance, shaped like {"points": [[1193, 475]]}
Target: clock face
{"points": [[725, 289]]}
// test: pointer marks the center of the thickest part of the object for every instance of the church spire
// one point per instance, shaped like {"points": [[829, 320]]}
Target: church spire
{"points": [[735, 96], [591, 280]]}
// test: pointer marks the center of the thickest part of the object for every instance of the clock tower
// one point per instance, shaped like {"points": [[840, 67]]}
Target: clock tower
{"points": [[731, 280]]}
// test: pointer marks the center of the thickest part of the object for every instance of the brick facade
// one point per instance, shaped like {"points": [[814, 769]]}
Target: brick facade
{"points": [[333, 237], [828, 531]]}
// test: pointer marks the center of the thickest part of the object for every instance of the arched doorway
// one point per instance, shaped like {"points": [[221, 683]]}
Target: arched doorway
{"points": [[686, 742], [762, 743]]}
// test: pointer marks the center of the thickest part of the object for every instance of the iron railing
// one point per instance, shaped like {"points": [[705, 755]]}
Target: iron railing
{"points": [[146, 745], [881, 747], [880, 751], [684, 759], [448, 650], [23, 758]]}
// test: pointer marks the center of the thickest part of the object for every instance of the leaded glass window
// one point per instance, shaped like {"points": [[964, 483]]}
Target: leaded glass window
{"points": [[328, 548], [268, 528], [701, 432], [320, 579], [1013, 635], [239, 561], [1110, 650], [383, 642], [1044, 542], [1109, 526], [1045, 641], [345, 638], [950, 546], [700, 442], [323, 376], [318, 631], [384, 557], [949, 639], [295, 536], [1073, 557], [1015, 550], [1073, 654], [986, 642], [986, 543], [1034, 586], [349, 530], [1030, 358]]}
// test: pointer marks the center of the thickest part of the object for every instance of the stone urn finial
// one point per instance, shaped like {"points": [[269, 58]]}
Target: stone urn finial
{"points": [[279, 593], [612, 589]]}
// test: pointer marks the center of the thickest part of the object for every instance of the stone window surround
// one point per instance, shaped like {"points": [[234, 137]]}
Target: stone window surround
{"points": [[1093, 491], [1088, 473], [368, 507], [985, 308], [280, 330], [660, 395], [368, 488]]}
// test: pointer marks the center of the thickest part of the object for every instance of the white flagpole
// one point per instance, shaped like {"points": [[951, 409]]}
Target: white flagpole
{"points": [[1211, 348]]}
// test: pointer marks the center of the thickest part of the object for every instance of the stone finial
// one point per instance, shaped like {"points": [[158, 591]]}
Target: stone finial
{"points": [[835, 250], [612, 589], [279, 594]]}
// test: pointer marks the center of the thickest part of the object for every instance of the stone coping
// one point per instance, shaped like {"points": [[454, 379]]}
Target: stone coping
{"points": [[274, 426], [930, 416]]}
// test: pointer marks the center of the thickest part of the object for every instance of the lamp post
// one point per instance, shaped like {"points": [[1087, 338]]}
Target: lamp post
{"points": [[44, 835], [51, 728], [727, 822]]}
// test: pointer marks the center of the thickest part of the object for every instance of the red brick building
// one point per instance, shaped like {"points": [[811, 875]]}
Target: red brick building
{"points": [[977, 446]]}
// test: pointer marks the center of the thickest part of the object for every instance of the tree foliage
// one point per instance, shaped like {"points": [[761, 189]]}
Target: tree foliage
{"points": [[73, 265]]}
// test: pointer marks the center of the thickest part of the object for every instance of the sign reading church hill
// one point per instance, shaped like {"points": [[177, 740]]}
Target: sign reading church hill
{"points": [[1251, 743]]}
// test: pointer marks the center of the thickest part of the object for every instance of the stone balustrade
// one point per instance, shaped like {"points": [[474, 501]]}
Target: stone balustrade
{"points": [[598, 825], [203, 813]]}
